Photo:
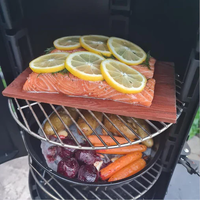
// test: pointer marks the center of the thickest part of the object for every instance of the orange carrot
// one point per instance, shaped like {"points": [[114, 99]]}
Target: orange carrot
{"points": [[107, 139], [129, 170], [121, 162], [124, 150]]}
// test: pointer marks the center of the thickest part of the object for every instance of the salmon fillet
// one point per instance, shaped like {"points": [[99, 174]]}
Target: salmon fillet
{"points": [[73, 86], [144, 70], [68, 51], [41, 83]]}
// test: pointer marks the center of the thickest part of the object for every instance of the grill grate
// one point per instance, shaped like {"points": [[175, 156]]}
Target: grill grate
{"points": [[30, 116], [56, 190]]}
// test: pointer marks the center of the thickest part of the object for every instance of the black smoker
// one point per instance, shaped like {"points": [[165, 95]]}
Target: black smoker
{"points": [[169, 29]]}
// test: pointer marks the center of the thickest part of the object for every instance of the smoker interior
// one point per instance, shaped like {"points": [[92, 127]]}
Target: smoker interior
{"points": [[168, 29]]}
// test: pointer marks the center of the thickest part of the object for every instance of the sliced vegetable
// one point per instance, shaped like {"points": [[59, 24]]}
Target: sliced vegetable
{"points": [[68, 167], [120, 163], [88, 173], [124, 150], [129, 170], [90, 119], [57, 124], [141, 132], [120, 125]]}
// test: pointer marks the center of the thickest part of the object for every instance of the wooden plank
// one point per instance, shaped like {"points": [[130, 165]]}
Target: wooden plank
{"points": [[163, 107]]}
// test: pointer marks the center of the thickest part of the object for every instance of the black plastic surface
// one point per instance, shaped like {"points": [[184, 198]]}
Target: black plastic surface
{"points": [[11, 144], [11, 14]]}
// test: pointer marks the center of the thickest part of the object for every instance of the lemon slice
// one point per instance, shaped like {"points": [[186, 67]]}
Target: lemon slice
{"points": [[122, 77], [125, 51], [67, 43], [49, 63], [96, 44], [85, 65]]}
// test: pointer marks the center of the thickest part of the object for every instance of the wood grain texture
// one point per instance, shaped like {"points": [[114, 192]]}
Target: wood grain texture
{"points": [[163, 107]]}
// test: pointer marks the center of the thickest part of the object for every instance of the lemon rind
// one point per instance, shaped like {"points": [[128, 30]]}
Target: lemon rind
{"points": [[118, 86], [87, 47], [47, 69], [110, 47], [71, 47], [80, 74]]}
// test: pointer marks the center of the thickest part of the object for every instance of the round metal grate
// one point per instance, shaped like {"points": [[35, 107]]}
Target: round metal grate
{"points": [[31, 116], [48, 187]]}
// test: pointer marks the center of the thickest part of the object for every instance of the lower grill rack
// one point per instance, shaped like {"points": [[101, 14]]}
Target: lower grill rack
{"points": [[48, 187]]}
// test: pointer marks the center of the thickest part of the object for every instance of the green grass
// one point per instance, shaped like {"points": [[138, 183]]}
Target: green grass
{"points": [[5, 85], [195, 129], [2, 78]]}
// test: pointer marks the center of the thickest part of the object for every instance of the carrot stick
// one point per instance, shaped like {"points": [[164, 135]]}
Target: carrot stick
{"points": [[107, 139], [129, 170], [124, 150], [121, 162]]}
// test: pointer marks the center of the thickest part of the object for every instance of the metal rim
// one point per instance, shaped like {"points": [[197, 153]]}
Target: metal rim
{"points": [[158, 128], [130, 189]]}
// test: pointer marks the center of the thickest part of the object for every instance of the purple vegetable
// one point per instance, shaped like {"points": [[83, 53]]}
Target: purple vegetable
{"points": [[88, 173], [52, 153], [70, 142], [66, 152], [85, 144], [68, 167], [88, 157]]}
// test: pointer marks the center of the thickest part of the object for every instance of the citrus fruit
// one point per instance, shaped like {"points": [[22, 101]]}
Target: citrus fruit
{"points": [[67, 43], [126, 51], [49, 63], [96, 44], [122, 77], [85, 65]]}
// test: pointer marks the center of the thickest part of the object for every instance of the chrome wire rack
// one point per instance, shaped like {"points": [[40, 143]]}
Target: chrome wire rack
{"points": [[56, 190], [31, 115]]}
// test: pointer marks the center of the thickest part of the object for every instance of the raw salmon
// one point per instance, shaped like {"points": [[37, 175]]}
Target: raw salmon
{"points": [[144, 70], [41, 83], [68, 51], [73, 86]]}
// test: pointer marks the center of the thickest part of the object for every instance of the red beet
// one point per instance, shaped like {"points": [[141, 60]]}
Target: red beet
{"points": [[88, 173], [66, 152], [68, 167], [88, 157], [70, 142], [85, 144]]}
